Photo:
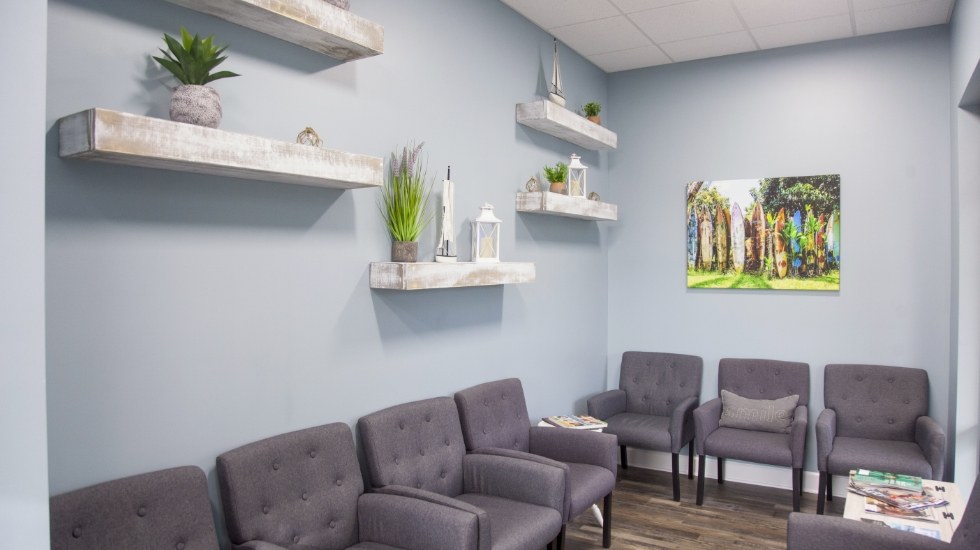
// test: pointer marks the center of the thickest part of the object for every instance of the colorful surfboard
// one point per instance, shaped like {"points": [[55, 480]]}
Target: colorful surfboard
{"points": [[738, 238], [692, 238], [721, 239], [758, 237], [821, 244], [798, 222], [837, 236], [780, 256], [706, 246]]}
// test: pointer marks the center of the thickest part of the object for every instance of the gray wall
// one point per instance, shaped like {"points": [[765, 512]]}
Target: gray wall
{"points": [[24, 461], [192, 314], [876, 111]]}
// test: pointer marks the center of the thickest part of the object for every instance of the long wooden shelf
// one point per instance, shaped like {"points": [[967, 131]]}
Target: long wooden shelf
{"points": [[112, 136], [558, 121], [314, 24], [544, 202], [428, 275]]}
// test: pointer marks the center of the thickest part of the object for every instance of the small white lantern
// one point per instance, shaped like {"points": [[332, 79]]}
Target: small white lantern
{"points": [[486, 236], [576, 177]]}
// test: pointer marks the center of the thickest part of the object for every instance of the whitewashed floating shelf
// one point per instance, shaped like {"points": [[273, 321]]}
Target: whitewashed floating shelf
{"points": [[123, 138], [544, 202], [558, 121], [314, 24], [426, 275]]}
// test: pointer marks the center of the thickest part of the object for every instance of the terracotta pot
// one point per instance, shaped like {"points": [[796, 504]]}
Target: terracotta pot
{"points": [[404, 251], [558, 187], [193, 104], [595, 118]]}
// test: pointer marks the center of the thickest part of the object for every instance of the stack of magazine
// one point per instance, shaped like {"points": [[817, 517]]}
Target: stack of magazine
{"points": [[575, 422], [897, 496]]}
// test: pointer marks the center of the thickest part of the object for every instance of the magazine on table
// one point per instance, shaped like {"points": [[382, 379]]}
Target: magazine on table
{"points": [[875, 506], [905, 499], [872, 478], [575, 422]]}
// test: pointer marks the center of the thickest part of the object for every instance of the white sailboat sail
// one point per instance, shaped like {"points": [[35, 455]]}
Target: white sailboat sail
{"points": [[555, 92]]}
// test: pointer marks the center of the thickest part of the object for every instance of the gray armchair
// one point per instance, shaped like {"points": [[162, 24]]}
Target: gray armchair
{"points": [[654, 406], [757, 379], [416, 449], [495, 421], [876, 418], [303, 490], [161, 510], [810, 532]]}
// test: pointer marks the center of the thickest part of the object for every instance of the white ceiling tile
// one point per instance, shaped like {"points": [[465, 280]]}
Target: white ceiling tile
{"points": [[904, 16], [624, 60], [862, 5], [710, 46], [762, 13], [688, 20], [630, 6], [803, 32], [548, 14], [602, 36]]}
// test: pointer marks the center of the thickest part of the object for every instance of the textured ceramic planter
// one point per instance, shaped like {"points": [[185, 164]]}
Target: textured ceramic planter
{"points": [[404, 251], [193, 104], [595, 119], [558, 187]]}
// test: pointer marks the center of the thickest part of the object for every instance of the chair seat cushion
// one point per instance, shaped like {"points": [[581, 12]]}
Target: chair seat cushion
{"points": [[899, 457], [372, 546], [762, 447], [643, 431], [589, 485], [516, 525]]}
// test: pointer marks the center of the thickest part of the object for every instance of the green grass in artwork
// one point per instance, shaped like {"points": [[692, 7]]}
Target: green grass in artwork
{"points": [[713, 279]]}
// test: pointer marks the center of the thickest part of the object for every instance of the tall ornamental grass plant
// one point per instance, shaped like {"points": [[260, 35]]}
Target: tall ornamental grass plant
{"points": [[404, 201]]}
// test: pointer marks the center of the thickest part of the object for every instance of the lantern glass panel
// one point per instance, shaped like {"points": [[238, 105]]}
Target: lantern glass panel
{"points": [[576, 177]]}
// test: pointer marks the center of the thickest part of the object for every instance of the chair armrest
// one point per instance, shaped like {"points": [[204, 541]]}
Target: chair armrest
{"points": [[582, 446], [521, 455], [797, 434], [812, 532], [706, 419], [682, 423], [826, 429], [607, 404], [932, 440], [515, 479], [416, 524], [483, 520]]}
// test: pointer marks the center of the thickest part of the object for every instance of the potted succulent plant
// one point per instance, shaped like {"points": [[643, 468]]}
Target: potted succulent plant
{"points": [[191, 60], [592, 112], [558, 176], [404, 203]]}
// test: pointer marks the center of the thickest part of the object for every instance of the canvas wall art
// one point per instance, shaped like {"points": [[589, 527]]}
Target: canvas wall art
{"points": [[768, 233]]}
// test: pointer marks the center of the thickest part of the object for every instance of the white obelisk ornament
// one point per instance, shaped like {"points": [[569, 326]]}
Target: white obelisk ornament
{"points": [[446, 252]]}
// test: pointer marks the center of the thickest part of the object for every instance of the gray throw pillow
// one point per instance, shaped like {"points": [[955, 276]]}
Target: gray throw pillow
{"points": [[761, 415]]}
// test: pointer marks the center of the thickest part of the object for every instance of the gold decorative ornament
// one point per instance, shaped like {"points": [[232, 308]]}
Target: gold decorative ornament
{"points": [[532, 185], [308, 137]]}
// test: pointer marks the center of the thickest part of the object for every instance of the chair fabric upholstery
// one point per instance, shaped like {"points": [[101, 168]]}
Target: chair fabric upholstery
{"points": [[418, 447], [756, 379], [304, 490], [166, 509], [813, 532]]}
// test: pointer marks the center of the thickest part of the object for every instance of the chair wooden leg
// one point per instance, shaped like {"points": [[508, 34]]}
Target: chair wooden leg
{"points": [[796, 488], [622, 456], [561, 537], [830, 486], [674, 466], [607, 521], [700, 499], [821, 491], [690, 460], [801, 481], [551, 545], [721, 469]]}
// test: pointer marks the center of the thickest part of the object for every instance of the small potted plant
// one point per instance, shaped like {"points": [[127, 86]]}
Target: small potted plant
{"points": [[592, 112], [191, 60], [558, 176], [404, 203]]}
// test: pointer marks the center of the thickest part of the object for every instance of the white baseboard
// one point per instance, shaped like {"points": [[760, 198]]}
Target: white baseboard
{"points": [[735, 470]]}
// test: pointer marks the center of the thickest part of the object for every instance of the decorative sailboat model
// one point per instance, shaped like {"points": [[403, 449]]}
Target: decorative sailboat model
{"points": [[446, 252], [555, 93]]}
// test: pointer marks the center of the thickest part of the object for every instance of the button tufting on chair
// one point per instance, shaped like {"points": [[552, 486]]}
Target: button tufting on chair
{"points": [[141, 512], [275, 465], [304, 496], [76, 532], [180, 546], [312, 454]]}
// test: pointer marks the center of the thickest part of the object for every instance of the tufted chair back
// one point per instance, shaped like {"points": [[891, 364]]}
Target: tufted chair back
{"points": [[295, 490], [764, 378], [656, 382], [167, 509], [876, 402], [967, 535], [494, 415], [417, 444]]}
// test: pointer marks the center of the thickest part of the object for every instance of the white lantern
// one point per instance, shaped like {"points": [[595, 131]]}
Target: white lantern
{"points": [[486, 236], [576, 177]]}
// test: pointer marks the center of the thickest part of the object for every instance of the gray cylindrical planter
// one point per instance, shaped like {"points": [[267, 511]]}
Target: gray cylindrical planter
{"points": [[193, 104], [404, 251]]}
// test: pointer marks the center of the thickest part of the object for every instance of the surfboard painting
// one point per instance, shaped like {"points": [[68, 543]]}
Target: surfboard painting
{"points": [[738, 239], [753, 233]]}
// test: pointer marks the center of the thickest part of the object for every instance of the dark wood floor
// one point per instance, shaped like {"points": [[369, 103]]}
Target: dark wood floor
{"points": [[734, 515]]}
